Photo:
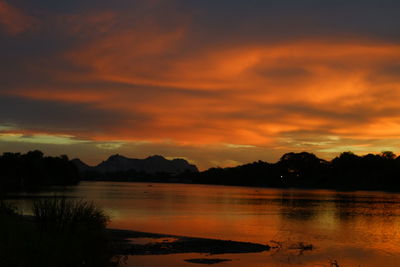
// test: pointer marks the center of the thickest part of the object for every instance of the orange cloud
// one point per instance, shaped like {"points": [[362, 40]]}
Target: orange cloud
{"points": [[309, 94], [13, 20], [332, 81], [246, 95]]}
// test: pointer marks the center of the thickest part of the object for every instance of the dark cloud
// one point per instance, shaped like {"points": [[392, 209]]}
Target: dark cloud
{"points": [[51, 116], [389, 73], [285, 20], [286, 113]]}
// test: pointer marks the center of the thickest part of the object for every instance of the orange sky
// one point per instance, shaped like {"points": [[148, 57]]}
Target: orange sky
{"points": [[187, 80]]}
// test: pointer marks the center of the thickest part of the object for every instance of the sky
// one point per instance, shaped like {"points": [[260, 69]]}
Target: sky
{"points": [[219, 83]]}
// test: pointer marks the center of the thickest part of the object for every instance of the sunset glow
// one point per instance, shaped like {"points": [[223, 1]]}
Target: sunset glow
{"points": [[187, 79]]}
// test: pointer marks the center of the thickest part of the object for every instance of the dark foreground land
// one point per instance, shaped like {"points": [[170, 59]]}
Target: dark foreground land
{"points": [[60, 233], [70, 233]]}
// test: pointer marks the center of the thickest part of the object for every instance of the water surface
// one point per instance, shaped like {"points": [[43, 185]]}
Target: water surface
{"points": [[355, 229]]}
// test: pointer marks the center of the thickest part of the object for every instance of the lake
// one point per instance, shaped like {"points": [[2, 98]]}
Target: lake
{"points": [[352, 228]]}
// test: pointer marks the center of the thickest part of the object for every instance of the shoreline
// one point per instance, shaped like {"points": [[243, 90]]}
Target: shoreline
{"points": [[163, 244]]}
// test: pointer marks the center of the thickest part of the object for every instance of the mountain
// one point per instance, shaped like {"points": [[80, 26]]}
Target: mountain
{"points": [[82, 166], [150, 165]]}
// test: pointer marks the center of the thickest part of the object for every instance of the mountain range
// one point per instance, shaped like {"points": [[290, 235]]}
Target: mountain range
{"points": [[150, 165]]}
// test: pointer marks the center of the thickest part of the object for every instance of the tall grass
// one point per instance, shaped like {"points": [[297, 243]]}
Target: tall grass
{"points": [[63, 233], [61, 214], [7, 209]]}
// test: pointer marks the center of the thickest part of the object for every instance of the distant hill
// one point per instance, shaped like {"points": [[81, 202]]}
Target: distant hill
{"points": [[150, 166], [347, 171], [82, 166]]}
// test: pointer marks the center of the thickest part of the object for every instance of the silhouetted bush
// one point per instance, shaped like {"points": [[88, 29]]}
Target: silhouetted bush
{"points": [[52, 239], [61, 214], [7, 209]]}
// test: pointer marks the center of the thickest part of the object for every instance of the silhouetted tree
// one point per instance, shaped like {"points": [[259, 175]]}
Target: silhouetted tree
{"points": [[30, 170], [388, 155], [301, 169]]}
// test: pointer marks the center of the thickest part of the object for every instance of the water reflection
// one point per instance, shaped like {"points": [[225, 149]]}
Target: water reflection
{"points": [[361, 228]]}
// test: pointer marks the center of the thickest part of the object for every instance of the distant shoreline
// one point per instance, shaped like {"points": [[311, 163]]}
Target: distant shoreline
{"points": [[347, 172], [252, 186]]}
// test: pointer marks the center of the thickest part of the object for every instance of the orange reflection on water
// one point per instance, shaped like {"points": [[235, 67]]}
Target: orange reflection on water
{"points": [[361, 228]]}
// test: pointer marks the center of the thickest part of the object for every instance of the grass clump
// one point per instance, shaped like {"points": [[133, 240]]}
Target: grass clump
{"points": [[7, 209], [61, 214], [63, 233]]}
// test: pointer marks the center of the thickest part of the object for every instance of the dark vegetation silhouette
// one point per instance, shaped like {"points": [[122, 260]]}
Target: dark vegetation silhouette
{"points": [[32, 170], [347, 171], [61, 233]]}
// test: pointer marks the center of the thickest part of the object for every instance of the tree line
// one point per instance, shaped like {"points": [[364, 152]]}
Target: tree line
{"points": [[31, 170], [348, 171]]}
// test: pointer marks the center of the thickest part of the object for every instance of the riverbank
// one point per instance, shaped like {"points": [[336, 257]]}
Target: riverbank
{"points": [[141, 243], [24, 232]]}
